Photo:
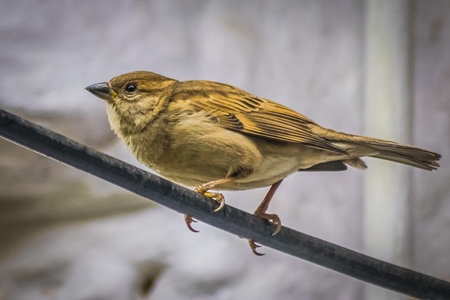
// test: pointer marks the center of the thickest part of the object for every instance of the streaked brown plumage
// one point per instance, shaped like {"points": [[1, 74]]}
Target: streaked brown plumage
{"points": [[213, 135]]}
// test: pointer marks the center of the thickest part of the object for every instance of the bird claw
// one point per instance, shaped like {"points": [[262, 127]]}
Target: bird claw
{"points": [[189, 220], [219, 198], [255, 246], [277, 222], [272, 218]]}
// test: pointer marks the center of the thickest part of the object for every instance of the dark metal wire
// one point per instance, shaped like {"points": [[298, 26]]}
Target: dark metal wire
{"points": [[230, 219]]}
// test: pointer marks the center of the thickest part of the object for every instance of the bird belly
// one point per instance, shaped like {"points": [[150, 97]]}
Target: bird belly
{"points": [[272, 169], [203, 152]]}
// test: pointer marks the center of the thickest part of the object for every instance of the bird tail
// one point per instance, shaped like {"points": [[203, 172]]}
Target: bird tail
{"points": [[359, 146]]}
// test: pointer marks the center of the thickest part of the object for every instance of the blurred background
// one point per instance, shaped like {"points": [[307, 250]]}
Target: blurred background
{"points": [[374, 67]]}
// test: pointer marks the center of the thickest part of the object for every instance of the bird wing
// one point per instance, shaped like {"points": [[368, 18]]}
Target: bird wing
{"points": [[237, 110]]}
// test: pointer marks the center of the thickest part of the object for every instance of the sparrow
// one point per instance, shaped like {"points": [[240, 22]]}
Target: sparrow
{"points": [[214, 136]]}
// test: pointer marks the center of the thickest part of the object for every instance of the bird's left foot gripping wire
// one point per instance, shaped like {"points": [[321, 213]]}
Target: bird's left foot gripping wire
{"points": [[218, 197]]}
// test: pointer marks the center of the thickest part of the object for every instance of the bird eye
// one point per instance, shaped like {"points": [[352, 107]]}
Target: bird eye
{"points": [[131, 87]]}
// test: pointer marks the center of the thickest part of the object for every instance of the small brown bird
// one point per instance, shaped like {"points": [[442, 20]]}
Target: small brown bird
{"points": [[215, 136]]}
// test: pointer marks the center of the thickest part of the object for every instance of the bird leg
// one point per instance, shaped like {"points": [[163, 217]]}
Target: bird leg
{"points": [[261, 212], [203, 189]]}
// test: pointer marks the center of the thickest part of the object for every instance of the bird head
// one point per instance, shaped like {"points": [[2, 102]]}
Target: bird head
{"points": [[133, 99]]}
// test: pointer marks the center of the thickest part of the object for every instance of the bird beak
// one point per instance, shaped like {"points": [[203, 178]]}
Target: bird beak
{"points": [[100, 90]]}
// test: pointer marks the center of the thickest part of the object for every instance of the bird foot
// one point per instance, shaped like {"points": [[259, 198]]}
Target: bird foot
{"points": [[272, 218], [203, 189], [218, 197]]}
